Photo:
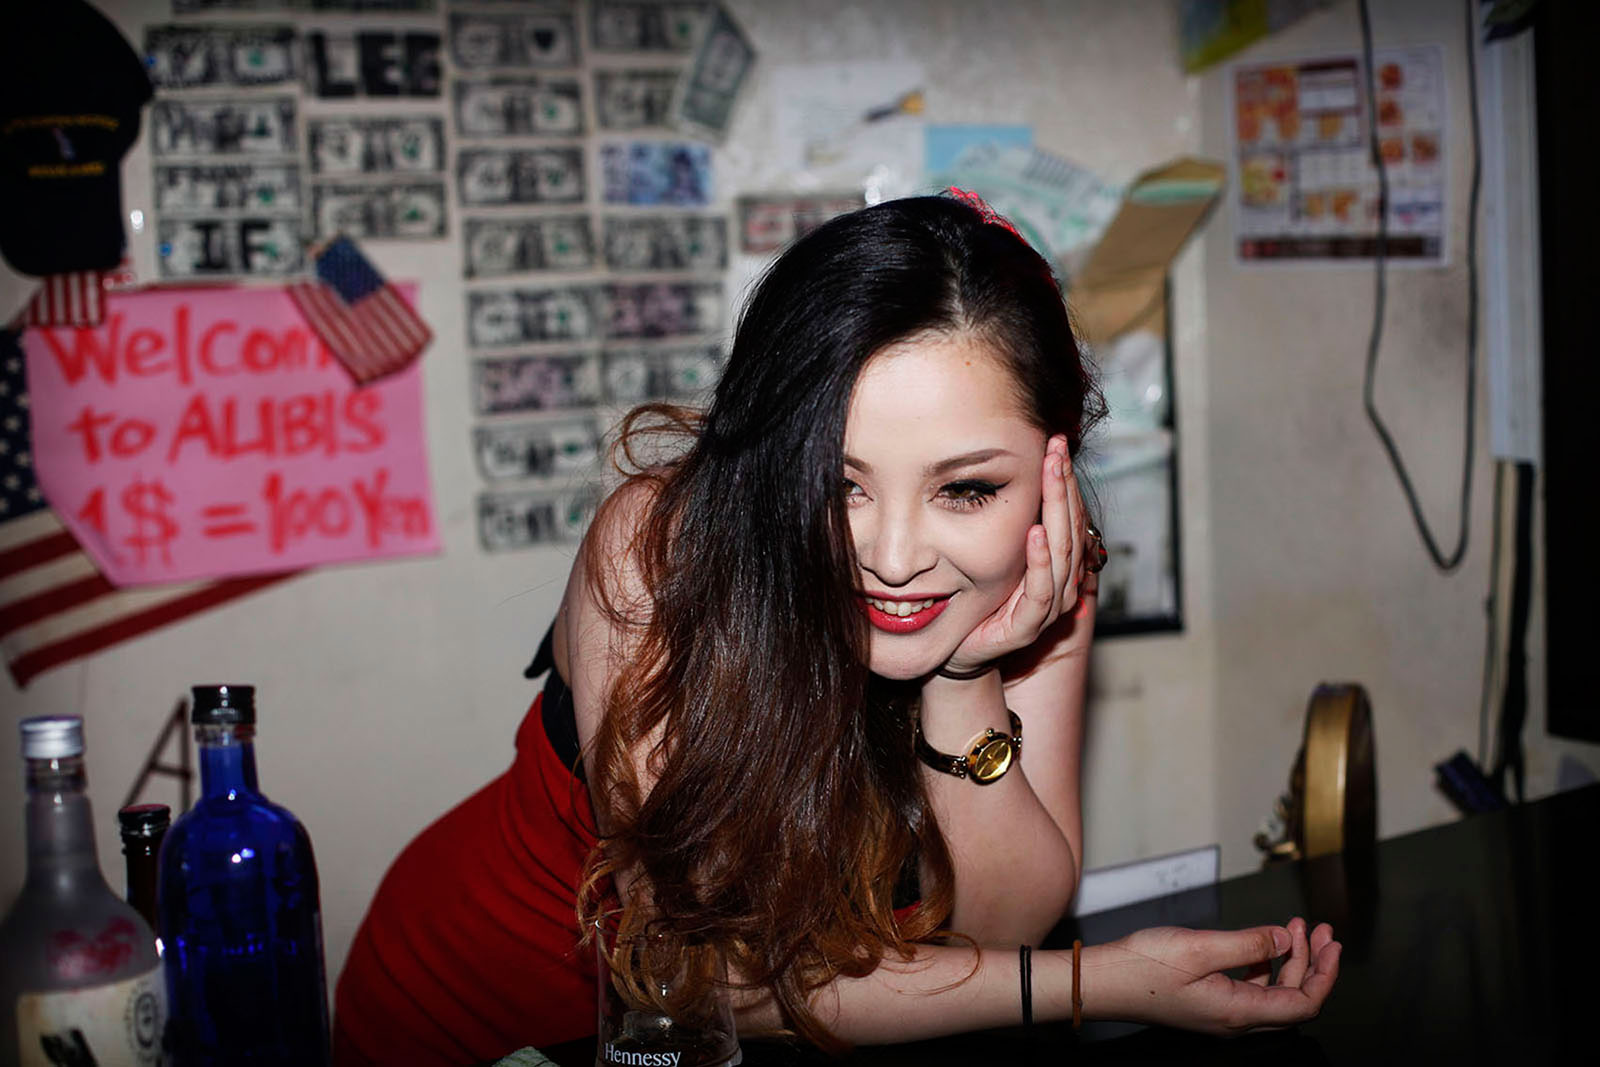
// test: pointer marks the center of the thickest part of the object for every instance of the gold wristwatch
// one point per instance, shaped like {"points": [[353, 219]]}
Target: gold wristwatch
{"points": [[987, 759]]}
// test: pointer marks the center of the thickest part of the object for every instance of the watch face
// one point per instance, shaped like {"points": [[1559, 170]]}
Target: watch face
{"points": [[991, 759]]}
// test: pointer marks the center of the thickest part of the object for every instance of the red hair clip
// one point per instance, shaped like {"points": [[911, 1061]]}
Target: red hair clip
{"points": [[978, 204]]}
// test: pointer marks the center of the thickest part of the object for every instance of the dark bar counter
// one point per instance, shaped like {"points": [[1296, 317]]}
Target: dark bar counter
{"points": [[1465, 943]]}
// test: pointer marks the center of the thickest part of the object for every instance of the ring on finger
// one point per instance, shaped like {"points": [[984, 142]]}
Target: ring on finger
{"points": [[1098, 556]]}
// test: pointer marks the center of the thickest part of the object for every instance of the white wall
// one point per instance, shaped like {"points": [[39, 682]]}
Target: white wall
{"points": [[389, 691], [1318, 572]]}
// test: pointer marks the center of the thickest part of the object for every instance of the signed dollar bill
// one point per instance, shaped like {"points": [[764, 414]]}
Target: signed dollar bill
{"points": [[534, 517], [509, 246], [545, 36], [215, 247], [666, 242], [185, 57], [634, 99], [193, 7], [656, 173], [413, 211], [617, 311], [768, 223], [661, 309], [562, 448], [520, 384], [500, 318], [520, 175], [376, 63], [518, 105], [703, 104], [645, 25], [376, 146], [258, 126], [261, 188], [636, 375]]}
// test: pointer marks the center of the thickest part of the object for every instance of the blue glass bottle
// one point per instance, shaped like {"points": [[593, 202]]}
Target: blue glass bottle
{"points": [[240, 915]]}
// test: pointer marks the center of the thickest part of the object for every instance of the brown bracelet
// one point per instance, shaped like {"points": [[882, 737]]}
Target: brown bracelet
{"points": [[965, 676], [1077, 997]]}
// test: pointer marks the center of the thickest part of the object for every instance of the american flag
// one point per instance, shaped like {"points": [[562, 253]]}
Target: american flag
{"points": [[365, 323], [54, 605], [75, 299]]}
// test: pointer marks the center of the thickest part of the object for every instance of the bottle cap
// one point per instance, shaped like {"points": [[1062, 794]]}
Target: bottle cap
{"points": [[52, 737], [223, 705], [144, 820]]}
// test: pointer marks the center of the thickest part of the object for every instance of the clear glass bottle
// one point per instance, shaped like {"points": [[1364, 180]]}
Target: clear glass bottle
{"points": [[240, 914], [143, 826], [80, 981]]}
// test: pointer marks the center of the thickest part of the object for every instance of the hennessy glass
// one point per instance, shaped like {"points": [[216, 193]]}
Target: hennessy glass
{"points": [[661, 1003]]}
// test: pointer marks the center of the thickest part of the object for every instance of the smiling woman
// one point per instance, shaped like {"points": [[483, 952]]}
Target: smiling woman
{"points": [[791, 674]]}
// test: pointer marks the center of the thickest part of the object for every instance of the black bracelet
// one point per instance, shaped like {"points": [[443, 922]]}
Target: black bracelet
{"points": [[965, 676], [1025, 962]]}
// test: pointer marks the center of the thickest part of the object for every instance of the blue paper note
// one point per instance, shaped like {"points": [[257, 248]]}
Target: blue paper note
{"points": [[944, 143]]}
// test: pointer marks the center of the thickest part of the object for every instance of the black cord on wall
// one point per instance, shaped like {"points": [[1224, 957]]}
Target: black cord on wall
{"points": [[1445, 563]]}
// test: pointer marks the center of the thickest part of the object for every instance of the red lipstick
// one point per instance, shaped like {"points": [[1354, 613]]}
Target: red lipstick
{"points": [[904, 624]]}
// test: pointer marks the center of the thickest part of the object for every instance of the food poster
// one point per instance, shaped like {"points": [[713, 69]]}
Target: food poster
{"points": [[1304, 187]]}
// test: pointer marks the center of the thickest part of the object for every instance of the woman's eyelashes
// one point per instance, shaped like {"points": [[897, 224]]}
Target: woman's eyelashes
{"points": [[969, 494]]}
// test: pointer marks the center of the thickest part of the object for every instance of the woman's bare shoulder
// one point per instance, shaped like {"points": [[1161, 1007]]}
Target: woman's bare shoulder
{"points": [[606, 593]]}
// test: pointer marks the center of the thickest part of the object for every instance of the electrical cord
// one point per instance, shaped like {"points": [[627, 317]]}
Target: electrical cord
{"points": [[1375, 341]]}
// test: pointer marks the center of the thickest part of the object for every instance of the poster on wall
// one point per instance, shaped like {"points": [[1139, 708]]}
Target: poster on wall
{"points": [[206, 433], [1304, 188]]}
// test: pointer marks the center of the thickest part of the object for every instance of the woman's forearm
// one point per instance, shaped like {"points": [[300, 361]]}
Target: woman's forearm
{"points": [[943, 990], [1015, 871]]}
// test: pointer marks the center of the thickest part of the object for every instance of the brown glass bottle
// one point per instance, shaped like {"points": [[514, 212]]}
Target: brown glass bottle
{"points": [[143, 826]]}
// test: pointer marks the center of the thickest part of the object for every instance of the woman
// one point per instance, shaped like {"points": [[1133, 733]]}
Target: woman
{"points": [[777, 646]]}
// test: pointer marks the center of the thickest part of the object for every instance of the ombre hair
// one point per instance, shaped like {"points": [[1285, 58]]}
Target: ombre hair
{"points": [[788, 804]]}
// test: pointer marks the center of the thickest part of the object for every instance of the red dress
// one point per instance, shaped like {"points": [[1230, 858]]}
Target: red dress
{"points": [[470, 948]]}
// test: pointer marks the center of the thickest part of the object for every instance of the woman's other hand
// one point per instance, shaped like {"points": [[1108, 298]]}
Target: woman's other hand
{"points": [[1175, 977], [1055, 577]]}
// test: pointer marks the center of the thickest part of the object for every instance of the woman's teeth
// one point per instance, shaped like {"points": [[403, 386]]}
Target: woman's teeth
{"points": [[902, 608]]}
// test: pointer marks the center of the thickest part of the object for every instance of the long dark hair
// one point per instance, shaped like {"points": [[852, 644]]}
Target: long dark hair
{"points": [[788, 801]]}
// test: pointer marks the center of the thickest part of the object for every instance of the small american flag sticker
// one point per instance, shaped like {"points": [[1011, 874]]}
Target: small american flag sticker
{"points": [[74, 299], [363, 320]]}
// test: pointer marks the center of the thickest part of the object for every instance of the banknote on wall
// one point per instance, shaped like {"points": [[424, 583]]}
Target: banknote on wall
{"points": [[496, 247], [563, 381], [512, 520], [563, 448]]}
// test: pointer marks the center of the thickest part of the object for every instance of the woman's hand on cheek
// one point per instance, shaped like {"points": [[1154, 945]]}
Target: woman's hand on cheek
{"points": [[1050, 585]]}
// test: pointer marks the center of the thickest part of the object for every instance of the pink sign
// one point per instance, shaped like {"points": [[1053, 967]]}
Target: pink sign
{"points": [[205, 433]]}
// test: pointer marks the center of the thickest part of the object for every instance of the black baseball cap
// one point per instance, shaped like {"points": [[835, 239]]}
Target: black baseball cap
{"points": [[71, 90]]}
